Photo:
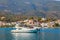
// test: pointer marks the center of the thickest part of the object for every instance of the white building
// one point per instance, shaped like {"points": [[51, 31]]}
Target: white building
{"points": [[44, 24], [43, 19]]}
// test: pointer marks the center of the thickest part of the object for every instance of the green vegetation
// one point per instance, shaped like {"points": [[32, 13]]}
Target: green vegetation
{"points": [[7, 26], [39, 18], [57, 25]]}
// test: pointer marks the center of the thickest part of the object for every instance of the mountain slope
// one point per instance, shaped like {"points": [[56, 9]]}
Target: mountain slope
{"points": [[42, 8]]}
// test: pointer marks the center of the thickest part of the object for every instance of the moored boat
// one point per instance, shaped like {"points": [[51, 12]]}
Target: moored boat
{"points": [[24, 29]]}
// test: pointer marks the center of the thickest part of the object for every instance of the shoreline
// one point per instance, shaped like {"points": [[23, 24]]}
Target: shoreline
{"points": [[26, 27]]}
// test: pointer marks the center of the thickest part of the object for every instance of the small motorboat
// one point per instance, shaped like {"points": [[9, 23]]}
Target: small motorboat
{"points": [[24, 29]]}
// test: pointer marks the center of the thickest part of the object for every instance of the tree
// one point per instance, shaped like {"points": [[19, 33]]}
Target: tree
{"points": [[57, 25], [39, 19], [31, 18]]}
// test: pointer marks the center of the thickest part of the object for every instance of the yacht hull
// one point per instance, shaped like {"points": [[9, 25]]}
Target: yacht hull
{"points": [[24, 31]]}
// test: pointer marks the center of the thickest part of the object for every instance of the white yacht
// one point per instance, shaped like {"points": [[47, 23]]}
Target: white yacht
{"points": [[24, 29]]}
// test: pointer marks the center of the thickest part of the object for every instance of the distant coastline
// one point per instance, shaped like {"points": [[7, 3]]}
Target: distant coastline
{"points": [[30, 22]]}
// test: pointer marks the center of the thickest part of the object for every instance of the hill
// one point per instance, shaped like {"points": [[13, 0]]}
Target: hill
{"points": [[41, 8]]}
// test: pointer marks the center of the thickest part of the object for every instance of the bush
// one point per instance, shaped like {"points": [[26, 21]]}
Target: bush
{"points": [[57, 25], [7, 26]]}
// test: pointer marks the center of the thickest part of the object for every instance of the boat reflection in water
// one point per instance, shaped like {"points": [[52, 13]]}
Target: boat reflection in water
{"points": [[5, 35], [25, 36], [24, 29]]}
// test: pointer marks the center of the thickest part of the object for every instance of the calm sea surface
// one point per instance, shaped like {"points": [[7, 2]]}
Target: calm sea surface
{"points": [[43, 34]]}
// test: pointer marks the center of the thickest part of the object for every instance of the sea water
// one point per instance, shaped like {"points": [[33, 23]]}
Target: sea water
{"points": [[42, 34]]}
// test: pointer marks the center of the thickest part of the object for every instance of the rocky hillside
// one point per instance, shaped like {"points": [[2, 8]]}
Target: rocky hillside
{"points": [[42, 8]]}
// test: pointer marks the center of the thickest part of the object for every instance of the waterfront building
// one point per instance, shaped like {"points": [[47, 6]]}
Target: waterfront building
{"points": [[58, 21], [44, 24], [2, 23], [43, 19], [13, 23], [51, 24]]}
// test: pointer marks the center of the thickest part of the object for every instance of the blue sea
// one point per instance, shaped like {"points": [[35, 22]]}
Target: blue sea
{"points": [[42, 34]]}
